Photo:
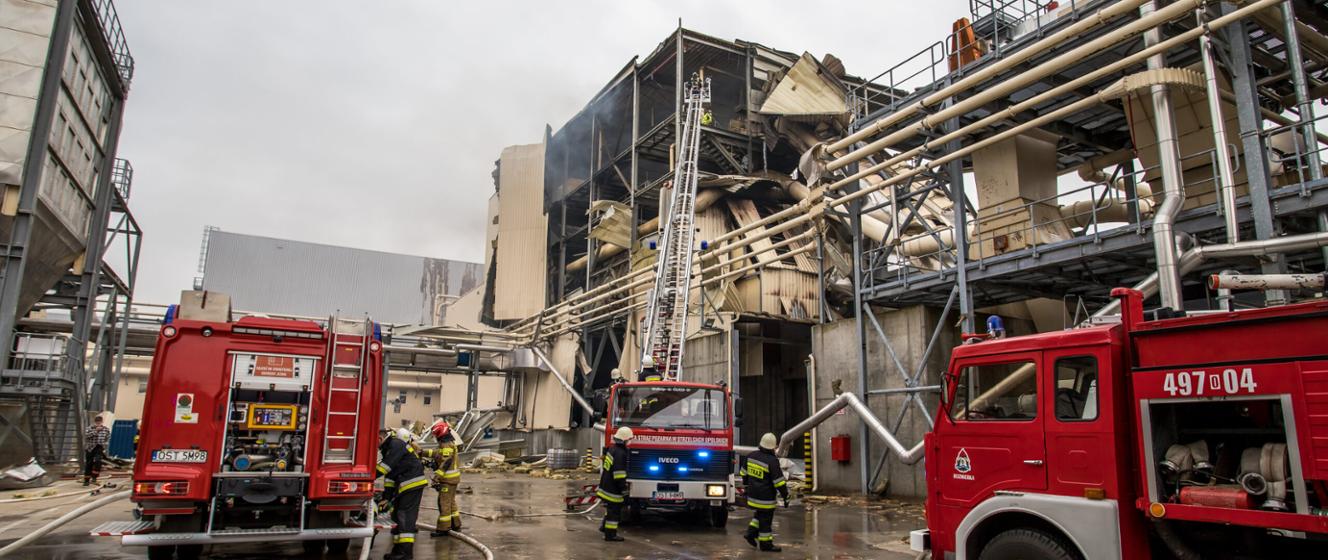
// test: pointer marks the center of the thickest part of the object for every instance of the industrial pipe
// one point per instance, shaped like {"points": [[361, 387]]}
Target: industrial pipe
{"points": [[554, 370], [61, 521], [908, 456], [1148, 21], [1226, 178], [969, 82], [1234, 281], [419, 350], [1168, 152], [1071, 86]]}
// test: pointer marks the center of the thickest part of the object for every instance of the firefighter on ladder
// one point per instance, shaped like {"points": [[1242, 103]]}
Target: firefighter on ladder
{"points": [[763, 478], [648, 370], [447, 476], [613, 483], [403, 487]]}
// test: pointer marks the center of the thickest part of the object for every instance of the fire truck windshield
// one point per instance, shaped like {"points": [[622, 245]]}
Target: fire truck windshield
{"points": [[670, 407]]}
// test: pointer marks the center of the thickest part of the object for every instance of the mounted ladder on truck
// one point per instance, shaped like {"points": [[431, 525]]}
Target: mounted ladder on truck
{"points": [[346, 376], [666, 314]]}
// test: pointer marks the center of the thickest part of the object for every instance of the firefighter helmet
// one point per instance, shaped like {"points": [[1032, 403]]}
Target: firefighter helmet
{"points": [[623, 434], [768, 441], [441, 430], [405, 435], [648, 362]]}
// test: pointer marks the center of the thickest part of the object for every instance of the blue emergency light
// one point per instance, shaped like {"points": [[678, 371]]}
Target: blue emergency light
{"points": [[653, 468], [704, 454]]}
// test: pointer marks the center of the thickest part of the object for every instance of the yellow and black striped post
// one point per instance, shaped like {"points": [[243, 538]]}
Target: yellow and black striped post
{"points": [[590, 458], [807, 457]]}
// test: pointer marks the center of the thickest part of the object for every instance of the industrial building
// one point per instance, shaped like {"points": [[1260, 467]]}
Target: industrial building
{"points": [[1124, 180]]}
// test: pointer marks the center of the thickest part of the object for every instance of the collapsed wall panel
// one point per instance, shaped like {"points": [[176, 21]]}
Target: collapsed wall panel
{"points": [[518, 284]]}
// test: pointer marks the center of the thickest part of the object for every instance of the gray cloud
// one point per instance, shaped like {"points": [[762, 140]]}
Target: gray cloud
{"points": [[375, 125]]}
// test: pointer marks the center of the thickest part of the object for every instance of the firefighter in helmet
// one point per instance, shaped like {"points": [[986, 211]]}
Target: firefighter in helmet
{"points": [[447, 476], [648, 371], [763, 478], [613, 483], [403, 487]]}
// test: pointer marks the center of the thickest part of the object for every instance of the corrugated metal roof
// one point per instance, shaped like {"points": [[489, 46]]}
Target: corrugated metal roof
{"points": [[298, 278]]}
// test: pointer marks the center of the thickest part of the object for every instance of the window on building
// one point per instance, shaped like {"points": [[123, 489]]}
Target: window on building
{"points": [[142, 387], [428, 399], [401, 397], [1005, 391], [1076, 388]]}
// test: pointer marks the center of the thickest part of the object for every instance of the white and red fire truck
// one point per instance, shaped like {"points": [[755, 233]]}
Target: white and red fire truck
{"points": [[255, 430], [682, 453], [1189, 437]]}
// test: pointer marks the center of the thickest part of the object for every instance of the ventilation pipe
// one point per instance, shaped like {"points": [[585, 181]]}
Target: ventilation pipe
{"points": [[1164, 219], [1226, 178]]}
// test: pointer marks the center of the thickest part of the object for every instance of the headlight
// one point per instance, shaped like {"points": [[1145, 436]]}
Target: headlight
{"points": [[716, 491]]}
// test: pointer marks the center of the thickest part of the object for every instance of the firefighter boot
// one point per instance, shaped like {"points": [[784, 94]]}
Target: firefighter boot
{"points": [[750, 535], [440, 532], [769, 546], [456, 522], [395, 553], [611, 535], [87, 481]]}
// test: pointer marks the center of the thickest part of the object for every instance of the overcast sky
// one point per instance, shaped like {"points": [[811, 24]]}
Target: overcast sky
{"points": [[376, 124]]}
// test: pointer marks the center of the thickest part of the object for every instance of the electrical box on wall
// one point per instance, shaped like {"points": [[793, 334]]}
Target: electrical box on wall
{"points": [[841, 448]]}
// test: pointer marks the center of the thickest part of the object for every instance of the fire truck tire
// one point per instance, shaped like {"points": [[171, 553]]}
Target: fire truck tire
{"points": [[1027, 544], [338, 546], [719, 516], [312, 548], [161, 552]]}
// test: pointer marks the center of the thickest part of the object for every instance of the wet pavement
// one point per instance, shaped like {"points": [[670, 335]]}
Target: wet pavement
{"points": [[839, 529]]}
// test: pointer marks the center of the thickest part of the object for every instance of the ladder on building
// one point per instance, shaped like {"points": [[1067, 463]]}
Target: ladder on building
{"points": [[666, 314], [347, 353]]}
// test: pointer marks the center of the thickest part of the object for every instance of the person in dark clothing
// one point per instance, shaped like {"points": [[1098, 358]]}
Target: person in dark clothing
{"points": [[648, 370], [404, 486], [763, 478], [613, 483], [95, 440]]}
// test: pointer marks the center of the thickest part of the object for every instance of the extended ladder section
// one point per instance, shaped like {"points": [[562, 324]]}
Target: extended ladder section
{"points": [[666, 314], [347, 353]]}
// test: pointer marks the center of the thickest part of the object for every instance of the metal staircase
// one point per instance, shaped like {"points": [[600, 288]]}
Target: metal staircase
{"points": [[666, 313], [346, 355]]}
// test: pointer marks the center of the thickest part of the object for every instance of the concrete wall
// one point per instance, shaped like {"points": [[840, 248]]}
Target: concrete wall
{"points": [[835, 347]]}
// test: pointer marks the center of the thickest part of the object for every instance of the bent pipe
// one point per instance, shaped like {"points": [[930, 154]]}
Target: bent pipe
{"points": [[475, 544], [61, 521], [559, 376], [908, 456]]}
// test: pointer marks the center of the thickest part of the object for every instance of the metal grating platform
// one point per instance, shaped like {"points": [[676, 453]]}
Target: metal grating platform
{"points": [[120, 528]]}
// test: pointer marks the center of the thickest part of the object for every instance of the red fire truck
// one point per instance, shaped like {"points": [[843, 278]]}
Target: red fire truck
{"points": [[255, 430], [682, 453], [1192, 437]]}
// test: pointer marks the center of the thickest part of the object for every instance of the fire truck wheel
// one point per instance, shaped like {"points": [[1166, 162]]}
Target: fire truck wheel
{"points": [[189, 552], [161, 552], [1026, 544], [719, 516], [312, 548], [338, 546]]}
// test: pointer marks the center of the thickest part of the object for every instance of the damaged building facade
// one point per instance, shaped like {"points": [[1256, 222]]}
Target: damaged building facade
{"points": [[1020, 167]]}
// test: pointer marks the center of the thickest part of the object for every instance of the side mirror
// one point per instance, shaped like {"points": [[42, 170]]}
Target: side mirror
{"points": [[737, 408], [597, 417], [737, 422], [600, 404]]}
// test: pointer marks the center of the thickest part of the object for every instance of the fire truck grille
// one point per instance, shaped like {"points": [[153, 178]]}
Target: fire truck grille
{"points": [[679, 464]]}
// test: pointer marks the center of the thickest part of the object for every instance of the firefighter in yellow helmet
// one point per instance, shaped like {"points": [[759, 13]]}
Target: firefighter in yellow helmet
{"points": [[613, 483], [404, 485], [447, 476]]}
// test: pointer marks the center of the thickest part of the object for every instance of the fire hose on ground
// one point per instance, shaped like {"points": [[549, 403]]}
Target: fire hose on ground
{"points": [[61, 521], [475, 544]]}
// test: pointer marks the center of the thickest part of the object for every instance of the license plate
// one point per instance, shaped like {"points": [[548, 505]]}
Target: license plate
{"points": [[179, 456], [667, 495]]}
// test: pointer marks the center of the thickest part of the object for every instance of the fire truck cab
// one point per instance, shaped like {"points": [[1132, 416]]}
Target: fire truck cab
{"points": [[681, 457], [254, 430], [1203, 435]]}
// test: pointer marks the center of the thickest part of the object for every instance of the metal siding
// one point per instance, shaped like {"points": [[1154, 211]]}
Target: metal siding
{"points": [[522, 233], [297, 278]]}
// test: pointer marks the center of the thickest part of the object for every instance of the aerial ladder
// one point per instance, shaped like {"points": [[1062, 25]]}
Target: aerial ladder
{"points": [[666, 313]]}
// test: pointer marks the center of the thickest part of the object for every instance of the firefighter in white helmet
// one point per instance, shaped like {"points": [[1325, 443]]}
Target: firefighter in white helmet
{"points": [[648, 370], [613, 482], [763, 478]]}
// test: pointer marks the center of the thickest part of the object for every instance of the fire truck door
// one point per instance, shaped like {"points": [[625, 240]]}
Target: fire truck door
{"points": [[994, 440]]}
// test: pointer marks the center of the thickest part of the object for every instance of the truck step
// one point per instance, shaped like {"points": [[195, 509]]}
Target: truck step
{"points": [[267, 531], [121, 528]]}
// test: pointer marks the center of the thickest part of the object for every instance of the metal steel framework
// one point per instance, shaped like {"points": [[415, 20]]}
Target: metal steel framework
{"points": [[1270, 82]]}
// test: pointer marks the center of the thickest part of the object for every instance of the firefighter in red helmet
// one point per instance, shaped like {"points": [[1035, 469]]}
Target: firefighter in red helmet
{"points": [[446, 478]]}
